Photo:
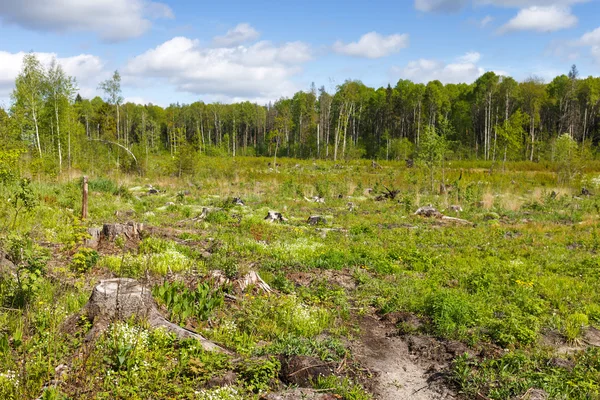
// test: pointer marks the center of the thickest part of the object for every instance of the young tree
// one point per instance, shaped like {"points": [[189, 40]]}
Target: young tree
{"points": [[432, 149], [112, 91], [61, 89], [28, 95]]}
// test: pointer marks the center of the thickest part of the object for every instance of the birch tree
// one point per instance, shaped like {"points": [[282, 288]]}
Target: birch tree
{"points": [[28, 95]]}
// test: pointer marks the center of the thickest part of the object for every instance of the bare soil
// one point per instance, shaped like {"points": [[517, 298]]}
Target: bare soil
{"points": [[397, 373]]}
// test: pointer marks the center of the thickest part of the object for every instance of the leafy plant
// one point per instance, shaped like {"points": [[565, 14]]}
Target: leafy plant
{"points": [[184, 303], [84, 259]]}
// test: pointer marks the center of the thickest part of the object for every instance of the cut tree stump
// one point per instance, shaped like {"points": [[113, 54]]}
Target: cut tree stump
{"points": [[241, 284], [428, 211], [130, 230], [316, 220], [120, 299], [274, 216]]}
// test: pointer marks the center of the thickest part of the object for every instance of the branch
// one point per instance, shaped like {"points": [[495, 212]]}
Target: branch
{"points": [[117, 144]]}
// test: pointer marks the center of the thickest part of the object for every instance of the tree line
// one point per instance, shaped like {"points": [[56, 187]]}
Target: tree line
{"points": [[494, 118]]}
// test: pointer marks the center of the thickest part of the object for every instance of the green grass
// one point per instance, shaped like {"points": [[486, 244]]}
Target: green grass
{"points": [[528, 265]]}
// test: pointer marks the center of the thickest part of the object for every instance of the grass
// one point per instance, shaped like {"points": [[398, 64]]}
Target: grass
{"points": [[527, 266]]}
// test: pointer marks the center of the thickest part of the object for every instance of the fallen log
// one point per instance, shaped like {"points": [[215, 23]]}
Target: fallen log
{"points": [[431, 212]]}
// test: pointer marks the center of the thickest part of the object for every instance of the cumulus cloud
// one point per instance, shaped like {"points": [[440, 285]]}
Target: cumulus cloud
{"points": [[462, 70], [112, 20], [373, 45], [242, 33], [261, 70], [442, 6], [592, 40], [541, 19], [87, 69]]}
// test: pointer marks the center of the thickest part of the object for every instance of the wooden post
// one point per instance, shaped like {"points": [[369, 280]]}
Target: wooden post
{"points": [[84, 205]]}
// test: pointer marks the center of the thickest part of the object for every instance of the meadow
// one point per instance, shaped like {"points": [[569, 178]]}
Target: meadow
{"points": [[512, 296]]}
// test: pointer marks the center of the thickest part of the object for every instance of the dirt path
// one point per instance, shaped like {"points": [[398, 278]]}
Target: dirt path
{"points": [[396, 375]]}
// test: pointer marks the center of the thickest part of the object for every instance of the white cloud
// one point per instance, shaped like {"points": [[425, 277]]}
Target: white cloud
{"points": [[591, 39], [463, 70], [486, 21], [261, 70], [596, 53], [242, 33], [528, 3], [440, 5], [373, 45], [112, 20], [86, 68], [541, 19], [471, 57], [456, 5]]}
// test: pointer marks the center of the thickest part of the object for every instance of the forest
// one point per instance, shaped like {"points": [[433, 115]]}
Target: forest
{"points": [[495, 118]]}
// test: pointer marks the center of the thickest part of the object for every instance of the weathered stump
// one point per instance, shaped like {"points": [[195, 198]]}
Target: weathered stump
{"points": [[428, 211], [241, 284], [316, 220], [130, 230], [120, 299]]}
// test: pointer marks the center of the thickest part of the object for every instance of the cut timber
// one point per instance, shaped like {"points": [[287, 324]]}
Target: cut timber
{"points": [[315, 199], [241, 284], [120, 299], [457, 220], [274, 216], [430, 212], [388, 194]]}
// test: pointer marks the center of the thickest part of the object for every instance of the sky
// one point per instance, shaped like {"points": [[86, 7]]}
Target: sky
{"points": [[186, 51]]}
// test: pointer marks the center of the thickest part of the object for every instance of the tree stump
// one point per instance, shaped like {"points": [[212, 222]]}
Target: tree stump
{"points": [[316, 220], [120, 299], [241, 284], [455, 208], [428, 211], [130, 230]]}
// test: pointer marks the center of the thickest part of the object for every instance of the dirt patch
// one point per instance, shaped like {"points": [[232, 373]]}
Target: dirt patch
{"points": [[299, 393], [343, 278], [397, 374], [554, 339], [303, 371]]}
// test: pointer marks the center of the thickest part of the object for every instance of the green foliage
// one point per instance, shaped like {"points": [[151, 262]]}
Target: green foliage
{"points": [[258, 375], [568, 159], [30, 261], [343, 387], [84, 259], [23, 200], [184, 303], [452, 313], [9, 165]]}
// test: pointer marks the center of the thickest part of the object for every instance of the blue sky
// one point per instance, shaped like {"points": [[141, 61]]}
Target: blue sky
{"points": [[184, 51]]}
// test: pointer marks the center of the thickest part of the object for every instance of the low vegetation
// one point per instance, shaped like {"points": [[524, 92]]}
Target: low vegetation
{"points": [[518, 286]]}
